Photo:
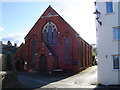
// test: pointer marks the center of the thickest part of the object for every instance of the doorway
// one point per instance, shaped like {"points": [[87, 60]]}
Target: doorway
{"points": [[43, 63]]}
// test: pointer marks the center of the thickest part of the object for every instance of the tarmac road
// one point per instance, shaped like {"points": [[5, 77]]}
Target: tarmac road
{"points": [[84, 79]]}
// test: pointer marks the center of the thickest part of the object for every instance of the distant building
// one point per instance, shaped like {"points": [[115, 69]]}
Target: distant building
{"points": [[108, 41], [6, 48], [52, 45], [9, 50]]}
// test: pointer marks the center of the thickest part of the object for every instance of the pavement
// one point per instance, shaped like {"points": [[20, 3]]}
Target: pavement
{"points": [[84, 79]]}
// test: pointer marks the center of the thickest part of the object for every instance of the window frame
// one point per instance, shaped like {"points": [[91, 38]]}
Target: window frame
{"points": [[113, 62], [54, 36], [114, 38], [67, 47], [53, 27]]}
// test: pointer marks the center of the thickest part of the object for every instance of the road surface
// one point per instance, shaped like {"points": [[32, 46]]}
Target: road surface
{"points": [[84, 79]]}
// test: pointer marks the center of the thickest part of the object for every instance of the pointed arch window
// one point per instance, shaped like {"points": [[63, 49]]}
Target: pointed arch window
{"points": [[67, 49], [50, 33], [54, 36], [45, 36], [22, 55], [33, 50]]}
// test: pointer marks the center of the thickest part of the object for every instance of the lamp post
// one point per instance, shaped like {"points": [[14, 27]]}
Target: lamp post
{"points": [[98, 16]]}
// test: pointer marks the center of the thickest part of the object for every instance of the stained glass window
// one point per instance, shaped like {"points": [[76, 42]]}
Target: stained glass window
{"points": [[49, 34], [54, 36], [45, 36]]}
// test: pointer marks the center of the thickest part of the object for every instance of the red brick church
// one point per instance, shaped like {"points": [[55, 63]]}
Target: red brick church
{"points": [[52, 44]]}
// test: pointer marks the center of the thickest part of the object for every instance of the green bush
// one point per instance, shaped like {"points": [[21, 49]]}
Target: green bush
{"points": [[93, 62]]}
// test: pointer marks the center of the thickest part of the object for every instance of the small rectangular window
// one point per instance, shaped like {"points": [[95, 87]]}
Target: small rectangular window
{"points": [[109, 7], [116, 33], [116, 62]]}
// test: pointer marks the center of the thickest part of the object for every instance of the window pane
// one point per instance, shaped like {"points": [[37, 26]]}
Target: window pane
{"points": [[119, 33], [116, 33], [54, 36], [109, 7], [49, 34], [67, 47], [45, 36], [115, 62], [119, 62], [33, 50]]}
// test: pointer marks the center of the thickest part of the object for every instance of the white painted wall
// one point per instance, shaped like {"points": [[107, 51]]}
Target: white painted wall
{"points": [[105, 43]]}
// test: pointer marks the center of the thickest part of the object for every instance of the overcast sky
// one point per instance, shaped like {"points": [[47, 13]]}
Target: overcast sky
{"points": [[17, 18]]}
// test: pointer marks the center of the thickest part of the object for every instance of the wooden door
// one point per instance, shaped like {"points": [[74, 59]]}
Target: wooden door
{"points": [[43, 63]]}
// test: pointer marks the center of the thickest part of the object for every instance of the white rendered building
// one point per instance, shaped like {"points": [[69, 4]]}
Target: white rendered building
{"points": [[108, 41]]}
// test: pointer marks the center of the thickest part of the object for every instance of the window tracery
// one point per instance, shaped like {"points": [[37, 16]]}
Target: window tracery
{"points": [[50, 32]]}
